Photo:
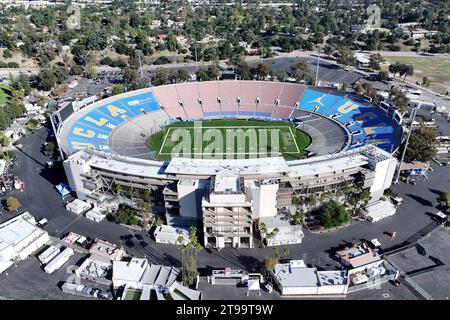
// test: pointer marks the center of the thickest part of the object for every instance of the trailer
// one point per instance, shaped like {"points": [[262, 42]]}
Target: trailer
{"points": [[48, 254], [59, 260], [81, 290]]}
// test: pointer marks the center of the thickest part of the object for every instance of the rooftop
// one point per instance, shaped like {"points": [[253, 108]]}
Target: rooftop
{"points": [[209, 167], [18, 233], [227, 184], [358, 255], [129, 270], [295, 275]]}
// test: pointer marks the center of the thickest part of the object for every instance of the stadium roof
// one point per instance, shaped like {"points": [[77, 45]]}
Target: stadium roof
{"points": [[229, 167]]}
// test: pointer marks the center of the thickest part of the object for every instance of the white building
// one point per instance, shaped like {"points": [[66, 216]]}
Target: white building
{"points": [[168, 234], [287, 233], [264, 197], [139, 277], [95, 214], [78, 206], [294, 278], [227, 216], [19, 238], [129, 272], [379, 210]]}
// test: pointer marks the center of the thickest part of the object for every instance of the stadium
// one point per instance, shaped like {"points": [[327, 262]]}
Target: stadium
{"points": [[323, 139]]}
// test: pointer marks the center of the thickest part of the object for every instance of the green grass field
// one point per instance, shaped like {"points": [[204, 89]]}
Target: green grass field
{"points": [[229, 139], [436, 69]]}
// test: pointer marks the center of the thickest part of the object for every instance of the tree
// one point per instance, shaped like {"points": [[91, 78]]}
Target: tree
{"points": [[213, 71], [444, 199], [375, 61], [263, 70], [91, 72], [297, 218], [118, 89], [76, 70], [332, 214], [7, 54], [130, 77], [394, 68], [183, 75], [32, 124], [189, 250], [126, 215], [346, 57], [383, 76], [301, 71], [359, 200], [202, 75], [49, 149], [46, 79], [421, 145], [311, 200], [4, 141], [12, 204], [406, 70], [161, 77], [243, 70], [399, 99], [41, 101]]}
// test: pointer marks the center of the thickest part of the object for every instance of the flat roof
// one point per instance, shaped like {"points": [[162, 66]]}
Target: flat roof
{"points": [[129, 270], [14, 233], [210, 167], [379, 209], [289, 276], [332, 277], [227, 184]]}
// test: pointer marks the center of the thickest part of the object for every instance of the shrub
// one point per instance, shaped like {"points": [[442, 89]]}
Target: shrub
{"points": [[126, 215], [333, 214]]}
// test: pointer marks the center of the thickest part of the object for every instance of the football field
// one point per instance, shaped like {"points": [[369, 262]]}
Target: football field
{"points": [[229, 139]]}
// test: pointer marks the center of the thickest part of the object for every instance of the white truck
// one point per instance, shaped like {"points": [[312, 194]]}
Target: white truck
{"points": [[59, 260], [46, 256]]}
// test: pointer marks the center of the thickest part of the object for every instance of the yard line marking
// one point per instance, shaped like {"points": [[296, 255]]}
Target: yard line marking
{"points": [[164, 142]]}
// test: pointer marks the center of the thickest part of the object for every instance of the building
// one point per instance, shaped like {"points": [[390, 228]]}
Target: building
{"points": [[228, 195], [371, 274], [418, 33], [104, 251], [357, 255], [138, 278], [19, 238], [227, 214], [287, 233], [379, 210], [129, 272], [294, 278], [95, 214], [170, 235], [78, 206], [352, 143]]}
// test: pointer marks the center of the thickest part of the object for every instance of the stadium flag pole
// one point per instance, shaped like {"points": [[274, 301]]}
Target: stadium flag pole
{"points": [[406, 144]]}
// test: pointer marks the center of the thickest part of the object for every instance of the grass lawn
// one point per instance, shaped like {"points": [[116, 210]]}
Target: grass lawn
{"points": [[133, 294], [436, 69], [229, 139]]}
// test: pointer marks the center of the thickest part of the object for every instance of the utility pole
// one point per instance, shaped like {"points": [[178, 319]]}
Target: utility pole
{"points": [[140, 64], [413, 116], [317, 68], [196, 61]]}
